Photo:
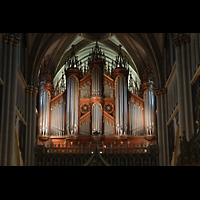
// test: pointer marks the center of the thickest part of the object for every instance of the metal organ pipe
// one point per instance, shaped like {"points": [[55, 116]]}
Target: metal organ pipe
{"points": [[44, 113], [149, 112], [125, 107], [117, 106], [121, 106], [72, 106]]}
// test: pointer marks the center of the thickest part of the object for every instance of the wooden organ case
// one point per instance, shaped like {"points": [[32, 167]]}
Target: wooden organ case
{"points": [[96, 98]]}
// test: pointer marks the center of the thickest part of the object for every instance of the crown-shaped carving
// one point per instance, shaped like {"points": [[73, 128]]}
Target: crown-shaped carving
{"points": [[45, 76], [73, 61], [148, 73], [96, 54], [120, 60]]}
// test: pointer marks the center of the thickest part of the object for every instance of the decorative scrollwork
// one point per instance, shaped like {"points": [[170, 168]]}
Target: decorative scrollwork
{"points": [[109, 108], [85, 107]]}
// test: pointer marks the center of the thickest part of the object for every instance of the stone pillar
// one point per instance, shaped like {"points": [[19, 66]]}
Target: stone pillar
{"points": [[6, 96], [185, 40], [162, 126], [26, 117], [29, 127], [179, 74], [193, 61], [13, 98], [196, 50], [4, 78], [31, 94], [9, 69], [159, 129], [183, 67]]}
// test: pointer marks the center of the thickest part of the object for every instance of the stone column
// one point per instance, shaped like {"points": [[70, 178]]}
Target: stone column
{"points": [[179, 74], [183, 82], [29, 127], [31, 94], [6, 97], [185, 85], [27, 118], [162, 126], [4, 78], [13, 98], [193, 61], [159, 129], [185, 39], [189, 74], [196, 50]]}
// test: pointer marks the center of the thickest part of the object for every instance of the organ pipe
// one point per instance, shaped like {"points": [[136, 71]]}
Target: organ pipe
{"points": [[72, 106], [121, 106], [44, 113], [149, 112], [97, 118]]}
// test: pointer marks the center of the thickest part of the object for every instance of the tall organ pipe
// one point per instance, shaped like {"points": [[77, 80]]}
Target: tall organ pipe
{"points": [[149, 112], [97, 118], [72, 106], [121, 105], [44, 113]]}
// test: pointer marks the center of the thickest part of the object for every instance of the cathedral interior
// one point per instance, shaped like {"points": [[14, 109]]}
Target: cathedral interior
{"points": [[99, 99]]}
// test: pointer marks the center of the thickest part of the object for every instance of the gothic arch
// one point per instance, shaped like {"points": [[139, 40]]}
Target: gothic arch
{"points": [[44, 41]]}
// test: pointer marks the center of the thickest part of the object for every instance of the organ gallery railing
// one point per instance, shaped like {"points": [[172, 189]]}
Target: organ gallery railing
{"points": [[115, 154]]}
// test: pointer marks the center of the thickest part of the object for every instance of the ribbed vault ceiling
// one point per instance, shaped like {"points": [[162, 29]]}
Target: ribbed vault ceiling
{"points": [[56, 48]]}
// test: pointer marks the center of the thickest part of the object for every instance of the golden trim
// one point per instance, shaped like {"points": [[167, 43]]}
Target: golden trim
{"points": [[100, 106], [17, 42], [10, 39], [95, 66], [74, 77], [5, 38], [160, 91], [118, 77]]}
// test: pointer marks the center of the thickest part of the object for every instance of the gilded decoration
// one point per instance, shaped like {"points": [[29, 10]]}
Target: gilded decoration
{"points": [[160, 91], [181, 39], [108, 81], [85, 119], [57, 101], [109, 108], [85, 107]]}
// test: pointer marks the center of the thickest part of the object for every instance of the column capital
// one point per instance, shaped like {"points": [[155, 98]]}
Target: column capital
{"points": [[176, 41], [5, 38], [10, 39], [35, 91], [160, 91], [31, 90], [17, 42], [184, 38], [27, 89], [181, 39]]}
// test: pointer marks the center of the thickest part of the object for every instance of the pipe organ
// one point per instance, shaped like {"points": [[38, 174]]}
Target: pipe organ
{"points": [[96, 97]]}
